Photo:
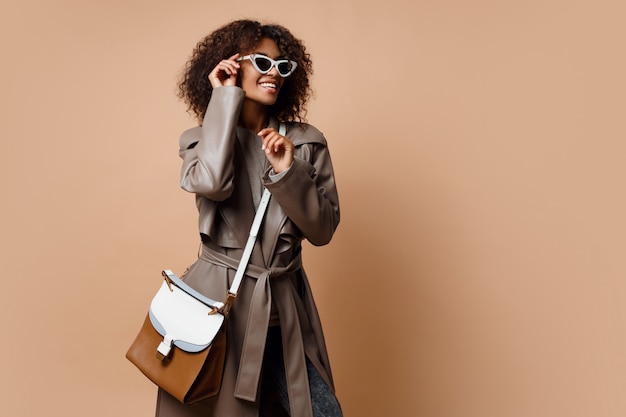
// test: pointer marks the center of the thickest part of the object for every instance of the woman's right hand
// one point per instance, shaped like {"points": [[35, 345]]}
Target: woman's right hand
{"points": [[225, 73]]}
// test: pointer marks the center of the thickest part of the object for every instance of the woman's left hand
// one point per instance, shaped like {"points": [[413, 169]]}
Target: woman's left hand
{"points": [[278, 149]]}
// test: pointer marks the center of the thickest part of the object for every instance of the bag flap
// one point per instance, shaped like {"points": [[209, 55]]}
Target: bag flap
{"points": [[182, 319]]}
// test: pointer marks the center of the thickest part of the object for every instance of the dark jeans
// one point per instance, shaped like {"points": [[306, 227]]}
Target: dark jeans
{"points": [[274, 382]]}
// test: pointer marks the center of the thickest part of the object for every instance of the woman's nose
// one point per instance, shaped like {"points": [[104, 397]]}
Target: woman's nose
{"points": [[273, 71]]}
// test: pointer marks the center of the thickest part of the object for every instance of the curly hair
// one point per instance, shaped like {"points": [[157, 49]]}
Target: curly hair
{"points": [[242, 36]]}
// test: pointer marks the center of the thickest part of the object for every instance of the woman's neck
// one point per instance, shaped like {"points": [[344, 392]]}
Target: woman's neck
{"points": [[253, 116]]}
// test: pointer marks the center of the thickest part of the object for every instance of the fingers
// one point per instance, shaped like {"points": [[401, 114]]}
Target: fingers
{"points": [[279, 150], [225, 72], [273, 141]]}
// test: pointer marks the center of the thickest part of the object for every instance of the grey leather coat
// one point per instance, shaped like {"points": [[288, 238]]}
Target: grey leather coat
{"points": [[304, 205]]}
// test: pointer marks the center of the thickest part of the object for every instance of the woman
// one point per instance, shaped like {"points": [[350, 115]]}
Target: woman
{"points": [[242, 82]]}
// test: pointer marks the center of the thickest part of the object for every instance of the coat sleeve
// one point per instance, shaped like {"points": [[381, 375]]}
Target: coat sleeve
{"points": [[208, 151], [308, 193]]}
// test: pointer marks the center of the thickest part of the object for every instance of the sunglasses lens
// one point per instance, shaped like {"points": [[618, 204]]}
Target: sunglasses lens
{"points": [[263, 63], [284, 67]]}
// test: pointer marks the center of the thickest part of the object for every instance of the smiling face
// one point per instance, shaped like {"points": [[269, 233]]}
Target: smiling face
{"points": [[262, 88]]}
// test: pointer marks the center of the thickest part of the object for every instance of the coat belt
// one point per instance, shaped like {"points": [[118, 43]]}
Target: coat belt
{"points": [[251, 362]]}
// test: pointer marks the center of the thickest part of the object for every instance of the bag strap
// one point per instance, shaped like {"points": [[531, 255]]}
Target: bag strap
{"points": [[247, 251]]}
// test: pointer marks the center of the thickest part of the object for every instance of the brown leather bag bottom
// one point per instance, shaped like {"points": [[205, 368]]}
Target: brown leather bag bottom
{"points": [[188, 377]]}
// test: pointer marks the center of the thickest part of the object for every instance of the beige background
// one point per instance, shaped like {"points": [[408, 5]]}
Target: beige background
{"points": [[479, 149]]}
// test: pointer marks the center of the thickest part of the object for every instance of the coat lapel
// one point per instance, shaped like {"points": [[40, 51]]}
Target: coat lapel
{"points": [[238, 210], [275, 217]]}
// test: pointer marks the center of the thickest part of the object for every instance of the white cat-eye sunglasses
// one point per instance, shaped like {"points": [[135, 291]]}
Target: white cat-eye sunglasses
{"points": [[264, 64]]}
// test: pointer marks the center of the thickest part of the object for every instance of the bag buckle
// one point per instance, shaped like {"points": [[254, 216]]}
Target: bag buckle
{"points": [[230, 298], [168, 281], [165, 347]]}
